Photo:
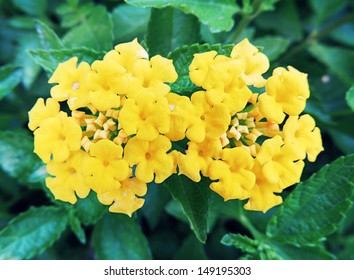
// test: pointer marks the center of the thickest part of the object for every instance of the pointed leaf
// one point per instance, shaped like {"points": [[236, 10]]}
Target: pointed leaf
{"points": [[32, 232], [76, 227], [317, 206], [10, 77], [217, 14], [48, 38], [118, 237]]}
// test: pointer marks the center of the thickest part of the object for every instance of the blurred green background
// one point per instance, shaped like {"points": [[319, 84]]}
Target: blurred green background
{"points": [[314, 36]]}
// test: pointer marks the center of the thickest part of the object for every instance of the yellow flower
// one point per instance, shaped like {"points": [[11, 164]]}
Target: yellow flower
{"points": [[233, 172], [150, 158], [41, 112], [255, 63], [199, 67], [198, 157], [56, 138], [105, 169], [207, 121], [71, 83], [304, 135], [68, 178], [106, 82], [181, 109], [286, 91], [146, 116], [277, 166], [126, 199]]}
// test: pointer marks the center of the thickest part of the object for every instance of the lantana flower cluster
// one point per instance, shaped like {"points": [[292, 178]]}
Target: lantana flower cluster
{"points": [[122, 123]]}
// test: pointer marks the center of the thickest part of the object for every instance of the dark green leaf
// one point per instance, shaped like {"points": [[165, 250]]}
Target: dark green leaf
{"points": [[76, 227], [72, 14], [48, 38], [182, 58], [10, 76], [49, 59], [240, 241], [118, 237], [95, 32], [174, 208], [316, 207], [194, 200], [170, 28], [32, 7], [32, 232], [129, 22], [273, 46], [89, 210], [17, 158], [338, 60], [350, 97], [344, 34], [325, 8], [217, 14], [191, 249]]}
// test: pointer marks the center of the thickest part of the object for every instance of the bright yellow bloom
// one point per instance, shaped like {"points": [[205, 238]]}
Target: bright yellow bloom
{"points": [[233, 172], [41, 112], [181, 109], [71, 83], [105, 169], [304, 135], [68, 178], [286, 91], [146, 116], [255, 63], [198, 157], [150, 158], [207, 121], [56, 138], [199, 67], [126, 199]]}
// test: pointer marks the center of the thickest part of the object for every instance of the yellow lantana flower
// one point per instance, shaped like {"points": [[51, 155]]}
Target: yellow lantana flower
{"points": [[255, 63], [150, 158], [56, 138], [68, 178], [233, 172], [199, 67], [105, 169], [198, 157], [207, 121], [126, 199], [304, 135], [146, 116], [41, 112]]}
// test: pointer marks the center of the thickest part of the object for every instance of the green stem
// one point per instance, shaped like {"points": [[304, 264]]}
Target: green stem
{"points": [[247, 224], [315, 36]]}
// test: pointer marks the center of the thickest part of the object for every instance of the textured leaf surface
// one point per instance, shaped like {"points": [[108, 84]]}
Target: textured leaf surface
{"points": [[240, 241], [316, 207], [10, 76], [217, 14], [194, 200], [49, 59], [32, 232], [118, 237]]}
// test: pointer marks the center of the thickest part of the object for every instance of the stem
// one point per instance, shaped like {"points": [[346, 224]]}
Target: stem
{"points": [[247, 224], [315, 36]]}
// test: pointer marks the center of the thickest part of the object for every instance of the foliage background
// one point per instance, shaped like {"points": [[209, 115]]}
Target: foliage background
{"points": [[180, 219]]}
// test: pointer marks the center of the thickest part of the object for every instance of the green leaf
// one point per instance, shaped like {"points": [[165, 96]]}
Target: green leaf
{"points": [[170, 28], [217, 14], [182, 58], [76, 227], [174, 208], [267, 5], [10, 77], [49, 59], [47, 36], [343, 34], [241, 242], [194, 200], [118, 237], [32, 7], [17, 158], [94, 32], [274, 46], [338, 60], [129, 22], [72, 14], [350, 97], [191, 249], [325, 8], [316, 207], [32, 232], [89, 210]]}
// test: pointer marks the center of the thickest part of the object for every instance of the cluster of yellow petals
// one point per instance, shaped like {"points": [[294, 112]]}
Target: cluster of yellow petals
{"points": [[124, 122]]}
